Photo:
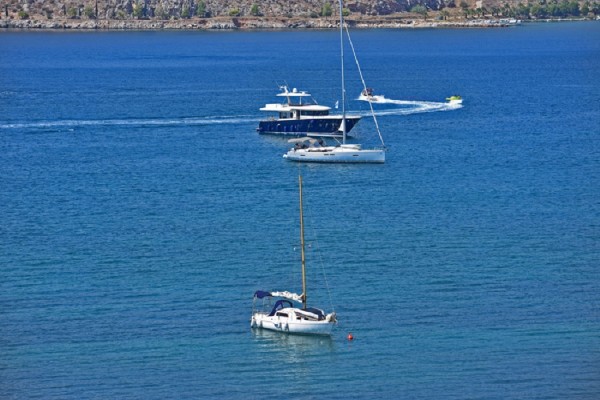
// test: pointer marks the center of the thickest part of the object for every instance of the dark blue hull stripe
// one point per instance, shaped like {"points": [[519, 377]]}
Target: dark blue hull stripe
{"points": [[305, 126]]}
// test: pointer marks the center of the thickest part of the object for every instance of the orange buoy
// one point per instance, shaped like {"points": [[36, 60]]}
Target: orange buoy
{"points": [[350, 337]]}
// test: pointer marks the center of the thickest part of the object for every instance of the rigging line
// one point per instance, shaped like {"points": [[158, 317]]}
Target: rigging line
{"points": [[362, 79], [320, 255]]}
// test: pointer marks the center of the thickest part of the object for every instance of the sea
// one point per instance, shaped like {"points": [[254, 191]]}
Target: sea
{"points": [[140, 211]]}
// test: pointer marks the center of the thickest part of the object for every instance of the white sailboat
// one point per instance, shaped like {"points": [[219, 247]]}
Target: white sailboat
{"points": [[307, 150], [283, 316]]}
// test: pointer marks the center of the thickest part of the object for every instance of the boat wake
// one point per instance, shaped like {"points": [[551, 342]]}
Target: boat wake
{"points": [[73, 124], [407, 107]]}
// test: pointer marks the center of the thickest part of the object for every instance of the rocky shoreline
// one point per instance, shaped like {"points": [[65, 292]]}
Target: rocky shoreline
{"points": [[242, 23], [282, 14]]}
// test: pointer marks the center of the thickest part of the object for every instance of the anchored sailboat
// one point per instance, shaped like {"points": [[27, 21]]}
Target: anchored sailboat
{"points": [[307, 150], [283, 316]]}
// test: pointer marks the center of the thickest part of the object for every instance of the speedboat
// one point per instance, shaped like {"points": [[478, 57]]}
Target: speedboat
{"points": [[300, 115], [368, 95], [454, 99]]}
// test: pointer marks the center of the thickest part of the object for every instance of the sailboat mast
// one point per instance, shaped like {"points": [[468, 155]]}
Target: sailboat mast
{"points": [[302, 256], [343, 80]]}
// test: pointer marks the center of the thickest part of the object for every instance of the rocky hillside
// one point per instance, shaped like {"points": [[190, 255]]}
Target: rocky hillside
{"points": [[167, 9], [266, 13]]}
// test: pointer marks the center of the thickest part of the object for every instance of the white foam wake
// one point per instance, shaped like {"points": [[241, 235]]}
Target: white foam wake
{"points": [[70, 124], [406, 107], [412, 107]]}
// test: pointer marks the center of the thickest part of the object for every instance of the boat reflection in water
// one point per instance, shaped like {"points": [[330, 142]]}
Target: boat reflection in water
{"points": [[302, 344]]}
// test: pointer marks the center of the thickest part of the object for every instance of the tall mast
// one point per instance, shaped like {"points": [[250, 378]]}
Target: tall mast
{"points": [[302, 257], [343, 81]]}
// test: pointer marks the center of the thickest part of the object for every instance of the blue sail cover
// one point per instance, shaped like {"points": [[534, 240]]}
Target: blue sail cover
{"points": [[262, 294], [279, 305]]}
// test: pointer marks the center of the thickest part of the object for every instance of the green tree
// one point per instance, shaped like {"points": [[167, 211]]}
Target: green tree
{"points": [[326, 11], [553, 9], [539, 11], [574, 8], [419, 9], [563, 8], [522, 10], [23, 14], [72, 12], [345, 12], [138, 10], [185, 12], [254, 10], [89, 12], [585, 9], [234, 12], [160, 13], [465, 8], [201, 9]]}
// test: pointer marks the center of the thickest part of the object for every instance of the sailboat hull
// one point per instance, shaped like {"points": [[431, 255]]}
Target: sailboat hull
{"points": [[342, 154], [287, 325]]}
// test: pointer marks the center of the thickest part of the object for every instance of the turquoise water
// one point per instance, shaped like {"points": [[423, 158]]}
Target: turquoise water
{"points": [[140, 211]]}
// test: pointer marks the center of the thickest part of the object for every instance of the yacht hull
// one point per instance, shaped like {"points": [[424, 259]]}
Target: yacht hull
{"points": [[326, 126]]}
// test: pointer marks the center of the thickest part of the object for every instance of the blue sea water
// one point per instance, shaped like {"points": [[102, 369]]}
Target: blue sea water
{"points": [[140, 211]]}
